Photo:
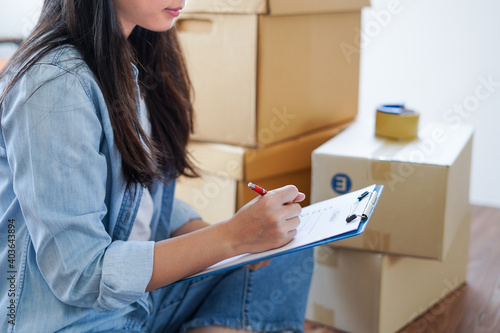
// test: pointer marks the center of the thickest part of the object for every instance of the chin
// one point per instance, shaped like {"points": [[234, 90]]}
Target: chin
{"points": [[158, 29], [159, 26], [165, 28]]}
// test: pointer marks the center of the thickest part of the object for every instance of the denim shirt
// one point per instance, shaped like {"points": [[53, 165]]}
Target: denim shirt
{"points": [[65, 213]]}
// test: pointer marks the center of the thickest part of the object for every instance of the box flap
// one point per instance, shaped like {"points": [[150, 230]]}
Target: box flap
{"points": [[244, 164], [218, 159], [289, 156], [274, 7], [437, 144], [226, 6], [289, 7]]}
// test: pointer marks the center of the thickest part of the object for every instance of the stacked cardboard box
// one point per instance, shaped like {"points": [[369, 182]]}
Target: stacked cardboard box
{"points": [[270, 70], [414, 249], [272, 82]]}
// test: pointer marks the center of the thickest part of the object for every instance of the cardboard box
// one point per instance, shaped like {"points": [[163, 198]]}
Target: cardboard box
{"points": [[226, 170], [426, 185], [261, 78], [366, 292], [274, 7]]}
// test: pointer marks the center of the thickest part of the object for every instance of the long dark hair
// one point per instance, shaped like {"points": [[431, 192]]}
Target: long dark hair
{"points": [[93, 27]]}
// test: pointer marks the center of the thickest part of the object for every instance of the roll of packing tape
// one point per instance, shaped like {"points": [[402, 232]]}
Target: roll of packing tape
{"points": [[396, 122]]}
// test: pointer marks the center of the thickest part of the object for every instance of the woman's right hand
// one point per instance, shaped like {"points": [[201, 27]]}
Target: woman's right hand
{"points": [[267, 222]]}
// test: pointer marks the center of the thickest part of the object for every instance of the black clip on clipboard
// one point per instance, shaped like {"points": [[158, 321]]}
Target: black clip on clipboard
{"points": [[372, 198]]}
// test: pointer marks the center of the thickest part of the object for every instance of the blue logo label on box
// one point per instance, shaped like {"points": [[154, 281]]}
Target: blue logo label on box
{"points": [[341, 183]]}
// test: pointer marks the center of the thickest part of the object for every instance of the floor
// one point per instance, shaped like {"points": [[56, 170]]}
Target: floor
{"points": [[474, 307]]}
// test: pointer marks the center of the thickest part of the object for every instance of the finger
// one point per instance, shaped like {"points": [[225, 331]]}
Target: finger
{"points": [[285, 194], [257, 265], [300, 197], [290, 211], [251, 267], [292, 234], [265, 263], [262, 263], [292, 224]]}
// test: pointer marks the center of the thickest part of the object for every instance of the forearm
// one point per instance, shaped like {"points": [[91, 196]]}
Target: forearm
{"points": [[186, 254], [190, 226]]}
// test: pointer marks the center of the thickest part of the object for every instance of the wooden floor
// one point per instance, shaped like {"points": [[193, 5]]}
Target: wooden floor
{"points": [[474, 307]]}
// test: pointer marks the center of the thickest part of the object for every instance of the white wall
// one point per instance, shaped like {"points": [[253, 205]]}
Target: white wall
{"points": [[17, 18], [434, 56]]}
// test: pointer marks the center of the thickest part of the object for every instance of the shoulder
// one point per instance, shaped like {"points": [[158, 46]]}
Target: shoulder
{"points": [[59, 81], [61, 66], [60, 74]]}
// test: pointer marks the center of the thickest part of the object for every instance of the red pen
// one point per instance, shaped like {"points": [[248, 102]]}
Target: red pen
{"points": [[257, 188]]}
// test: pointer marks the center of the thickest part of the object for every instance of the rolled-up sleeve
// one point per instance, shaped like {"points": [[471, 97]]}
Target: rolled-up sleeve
{"points": [[126, 271], [182, 213], [53, 135]]}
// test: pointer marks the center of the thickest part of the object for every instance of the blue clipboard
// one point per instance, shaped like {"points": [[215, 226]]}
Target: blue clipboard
{"points": [[363, 218]]}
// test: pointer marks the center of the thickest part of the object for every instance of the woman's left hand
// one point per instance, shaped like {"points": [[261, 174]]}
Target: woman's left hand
{"points": [[257, 265]]}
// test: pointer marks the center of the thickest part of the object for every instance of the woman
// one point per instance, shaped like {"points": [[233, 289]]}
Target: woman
{"points": [[80, 168]]}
